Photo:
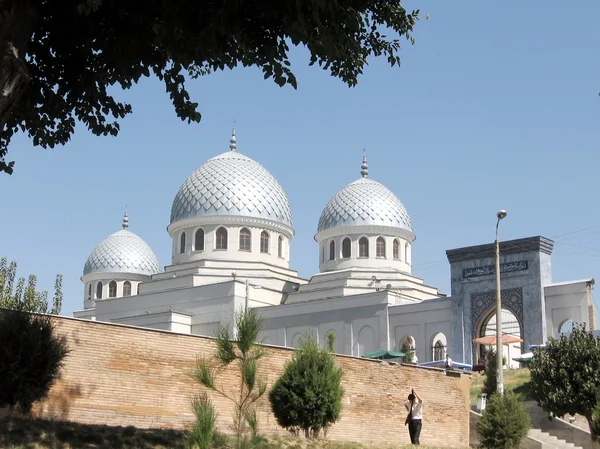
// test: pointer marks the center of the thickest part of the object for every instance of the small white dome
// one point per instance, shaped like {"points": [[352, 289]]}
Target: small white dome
{"points": [[122, 252], [234, 185], [364, 202]]}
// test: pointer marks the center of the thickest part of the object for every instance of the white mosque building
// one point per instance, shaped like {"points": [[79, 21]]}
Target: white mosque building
{"points": [[231, 227]]}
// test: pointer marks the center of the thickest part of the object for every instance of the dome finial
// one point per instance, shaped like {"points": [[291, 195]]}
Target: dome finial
{"points": [[364, 168], [233, 140], [125, 219]]}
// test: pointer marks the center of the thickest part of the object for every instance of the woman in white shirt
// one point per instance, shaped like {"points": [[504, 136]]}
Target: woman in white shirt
{"points": [[414, 407]]}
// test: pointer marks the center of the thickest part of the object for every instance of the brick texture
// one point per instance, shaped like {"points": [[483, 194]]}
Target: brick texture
{"points": [[121, 375]]}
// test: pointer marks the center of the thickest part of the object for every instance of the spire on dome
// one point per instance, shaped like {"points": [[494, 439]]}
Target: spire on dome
{"points": [[364, 168], [125, 221], [233, 140]]}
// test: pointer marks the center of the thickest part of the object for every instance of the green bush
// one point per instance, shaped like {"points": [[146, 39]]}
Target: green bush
{"points": [[308, 395], [504, 422], [201, 435], [31, 356]]}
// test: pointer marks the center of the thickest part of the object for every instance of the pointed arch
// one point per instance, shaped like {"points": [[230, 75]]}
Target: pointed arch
{"points": [[199, 240], [264, 242], [332, 250], [346, 248], [380, 247], [99, 290], [245, 239], [182, 243], [363, 247], [280, 246], [126, 288], [112, 289], [221, 238], [396, 249], [89, 295]]}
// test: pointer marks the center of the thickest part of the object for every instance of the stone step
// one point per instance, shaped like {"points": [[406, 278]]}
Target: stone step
{"points": [[550, 441]]}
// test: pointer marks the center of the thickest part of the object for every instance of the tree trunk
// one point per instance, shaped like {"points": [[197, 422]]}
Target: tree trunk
{"points": [[595, 436], [11, 411], [16, 27]]}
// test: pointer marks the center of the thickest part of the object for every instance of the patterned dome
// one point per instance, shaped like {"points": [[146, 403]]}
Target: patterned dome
{"points": [[364, 202], [122, 252], [235, 185]]}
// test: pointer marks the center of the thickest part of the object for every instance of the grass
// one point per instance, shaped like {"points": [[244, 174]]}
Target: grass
{"points": [[20, 433], [516, 380]]}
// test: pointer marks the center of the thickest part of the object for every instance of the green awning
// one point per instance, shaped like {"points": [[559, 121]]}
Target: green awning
{"points": [[383, 354]]}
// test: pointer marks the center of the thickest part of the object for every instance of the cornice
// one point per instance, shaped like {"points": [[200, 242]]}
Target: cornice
{"points": [[228, 220], [373, 230]]}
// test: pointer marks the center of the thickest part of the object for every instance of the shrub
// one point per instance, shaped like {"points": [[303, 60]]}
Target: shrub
{"points": [[201, 435], [504, 422], [31, 356], [308, 395]]}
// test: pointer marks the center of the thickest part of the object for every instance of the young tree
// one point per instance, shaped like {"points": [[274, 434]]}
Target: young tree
{"points": [[246, 353], [504, 423], [565, 376], [309, 393], [31, 356], [25, 297], [52, 74]]}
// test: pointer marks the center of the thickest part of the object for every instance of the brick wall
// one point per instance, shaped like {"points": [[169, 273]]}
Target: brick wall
{"points": [[120, 375]]}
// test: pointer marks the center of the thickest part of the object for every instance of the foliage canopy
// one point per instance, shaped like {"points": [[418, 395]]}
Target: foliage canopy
{"points": [[24, 296], [31, 356], [504, 422], [53, 74], [308, 395], [565, 376]]}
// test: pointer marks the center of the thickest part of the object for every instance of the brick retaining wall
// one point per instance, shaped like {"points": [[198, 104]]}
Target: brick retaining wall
{"points": [[121, 375]]}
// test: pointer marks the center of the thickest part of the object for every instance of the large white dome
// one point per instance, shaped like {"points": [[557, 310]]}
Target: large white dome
{"points": [[234, 185], [122, 252], [364, 202]]}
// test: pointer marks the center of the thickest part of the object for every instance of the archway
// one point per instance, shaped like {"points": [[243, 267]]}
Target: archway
{"points": [[439, 347], [510, 325], [366, 340], [566, 326], [295, 343], [409, 348]]}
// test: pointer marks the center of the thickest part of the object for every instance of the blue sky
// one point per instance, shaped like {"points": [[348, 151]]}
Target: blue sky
{"points": [[495, 106]]}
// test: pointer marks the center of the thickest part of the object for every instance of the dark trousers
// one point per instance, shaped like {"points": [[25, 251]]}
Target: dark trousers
{"points": [[414, 429]]}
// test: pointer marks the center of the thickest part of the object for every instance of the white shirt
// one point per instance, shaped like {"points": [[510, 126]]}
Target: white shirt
{"points": [[417, 409]]}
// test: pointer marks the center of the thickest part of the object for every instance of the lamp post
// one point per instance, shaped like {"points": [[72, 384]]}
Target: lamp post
{"points": [[499, 352]]}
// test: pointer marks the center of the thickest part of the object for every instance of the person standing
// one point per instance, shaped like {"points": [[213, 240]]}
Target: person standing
{"points": [[414, 407]]}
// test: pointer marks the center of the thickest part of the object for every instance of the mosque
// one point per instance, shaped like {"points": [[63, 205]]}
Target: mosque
{"points": [[231, 227]]}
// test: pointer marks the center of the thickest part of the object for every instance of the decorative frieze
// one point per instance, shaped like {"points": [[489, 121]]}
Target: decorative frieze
{"points": [[509, 267]]}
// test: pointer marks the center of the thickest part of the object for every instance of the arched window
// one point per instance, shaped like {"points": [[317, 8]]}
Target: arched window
{"points": [[323, 254], [438, 351], [221, 241], [346, 248], [138, 288], [406, 258], [126, 288], [396, 249], [199, 240], [280, 246], [380, 247], [89, 291], [99, 290], [264, 242], [332, 250], [244, 239], [363, 247], [112, 289], [182, 243]]}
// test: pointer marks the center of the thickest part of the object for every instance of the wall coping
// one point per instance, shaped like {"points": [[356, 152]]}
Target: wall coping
{"points": [[518, 246]]}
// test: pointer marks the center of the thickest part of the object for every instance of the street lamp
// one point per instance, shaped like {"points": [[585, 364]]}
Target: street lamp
{"points": [[499, 351]]}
